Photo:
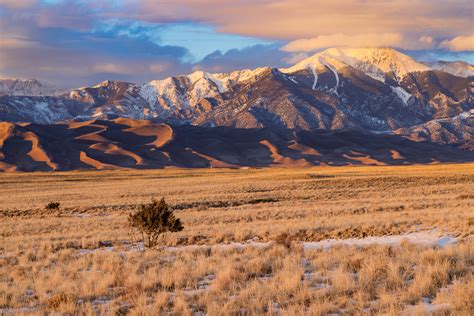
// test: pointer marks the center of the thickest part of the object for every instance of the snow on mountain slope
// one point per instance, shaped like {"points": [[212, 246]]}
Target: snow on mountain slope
{"points": [[25, 87], [378, 63], [457, 130], [185, 92], [334, 89], [457, 68]]}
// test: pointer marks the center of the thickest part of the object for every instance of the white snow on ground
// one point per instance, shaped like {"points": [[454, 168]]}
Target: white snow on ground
{"points": [[315, 74], [402, 94], [425, 238], [422, 238], [428, 307], [293, 80], [333, 70], [42, 107]]}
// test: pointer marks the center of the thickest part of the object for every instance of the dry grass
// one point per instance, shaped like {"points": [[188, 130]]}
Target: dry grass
{"points": [[51, 263]]}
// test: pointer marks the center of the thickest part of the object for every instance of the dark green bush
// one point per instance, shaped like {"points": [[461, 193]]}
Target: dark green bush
{"points": [[52, 206], [154, 219]]}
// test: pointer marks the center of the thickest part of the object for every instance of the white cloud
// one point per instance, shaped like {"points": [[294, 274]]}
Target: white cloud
{"points": [[360, 40], [8, 42], [459, 43]]}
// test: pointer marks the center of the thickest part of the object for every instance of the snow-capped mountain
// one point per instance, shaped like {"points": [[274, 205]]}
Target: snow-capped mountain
{"points": [[366, 89], [457, 68], [379, 63], [26, 87], [458, 129], [186, 95]]}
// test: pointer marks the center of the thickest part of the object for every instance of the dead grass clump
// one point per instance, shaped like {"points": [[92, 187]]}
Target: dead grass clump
{"points": [[284, 239], [230, 279], [61, 302]]}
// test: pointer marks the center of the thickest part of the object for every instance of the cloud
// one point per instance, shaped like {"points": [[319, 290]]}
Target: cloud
{"points": [[397, 40], [359, 40], [247, 58], [459, 43], [294, 19], [80, 42], [17, 4], [6, 42], [70, 58]]}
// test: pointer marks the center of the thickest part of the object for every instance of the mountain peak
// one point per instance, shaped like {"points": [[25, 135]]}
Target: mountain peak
{"points": [[378, 63], [26, 87]]}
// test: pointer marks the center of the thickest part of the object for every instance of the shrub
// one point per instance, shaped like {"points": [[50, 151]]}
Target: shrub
{"points": [[52, 206], [154, 219]]}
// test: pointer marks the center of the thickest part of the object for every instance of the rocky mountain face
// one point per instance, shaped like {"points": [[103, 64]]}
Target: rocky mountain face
{"points": [[337, 89], [458, 130], [457, 68], [27, 87]]}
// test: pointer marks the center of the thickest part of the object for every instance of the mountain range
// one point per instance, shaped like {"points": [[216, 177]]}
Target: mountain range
{"points": [[380, 93]]}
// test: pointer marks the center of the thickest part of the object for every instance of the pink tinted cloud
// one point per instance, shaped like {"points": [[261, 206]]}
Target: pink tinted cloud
{"points": [[17, 4], [459, 43], [295, 19]]}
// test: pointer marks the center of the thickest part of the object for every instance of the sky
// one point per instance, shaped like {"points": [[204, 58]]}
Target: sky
{"points": [[72, 43]]}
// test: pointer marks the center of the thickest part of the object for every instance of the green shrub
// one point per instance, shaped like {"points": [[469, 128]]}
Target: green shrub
{"points": [[52, 206], [154, 219]]}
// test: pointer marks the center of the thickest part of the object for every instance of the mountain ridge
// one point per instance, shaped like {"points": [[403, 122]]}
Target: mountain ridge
{"points": [[337, 89]]}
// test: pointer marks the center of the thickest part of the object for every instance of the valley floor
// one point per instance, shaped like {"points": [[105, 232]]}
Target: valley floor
{"points": [[278, 241]]}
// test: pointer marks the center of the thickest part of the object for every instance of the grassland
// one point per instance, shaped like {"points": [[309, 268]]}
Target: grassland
{"points": [[242, 251]]}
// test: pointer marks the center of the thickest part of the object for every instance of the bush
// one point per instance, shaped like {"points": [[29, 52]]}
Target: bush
{"points": [[52, 206], [154, 219]]}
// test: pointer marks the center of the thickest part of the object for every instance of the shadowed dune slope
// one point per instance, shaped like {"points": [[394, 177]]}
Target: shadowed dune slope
{"points": [[125, 143]]}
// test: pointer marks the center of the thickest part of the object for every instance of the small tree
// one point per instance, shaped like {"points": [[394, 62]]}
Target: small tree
{"points": [[154, 219], [53, 207]]}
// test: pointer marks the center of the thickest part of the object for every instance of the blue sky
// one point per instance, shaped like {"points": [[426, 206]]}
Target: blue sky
{"points": [[198, 39], [80, 42]]}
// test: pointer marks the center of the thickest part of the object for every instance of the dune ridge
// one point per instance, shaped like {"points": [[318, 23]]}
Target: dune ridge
{"points": [[140, 144], [37, 153]]}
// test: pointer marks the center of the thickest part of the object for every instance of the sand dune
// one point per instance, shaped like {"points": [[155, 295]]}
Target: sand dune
{"points": [[162, 132], [304, 149], [5, 167], [37, 153], [214, 163], [113, 149], [95, 163], [79, 124], [396, 155], [132, 123], [5, 131], [282, 160], [95, 137], [126, 143], [365, 160]]}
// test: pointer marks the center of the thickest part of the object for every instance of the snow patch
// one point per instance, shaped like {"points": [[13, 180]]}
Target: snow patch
{"points": [[426, 238], [423, 238], [293, 80], [315, 74], [402, 94]]}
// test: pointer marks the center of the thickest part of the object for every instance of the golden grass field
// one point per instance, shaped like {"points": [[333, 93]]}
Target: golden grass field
{"points": [[241, 251]]}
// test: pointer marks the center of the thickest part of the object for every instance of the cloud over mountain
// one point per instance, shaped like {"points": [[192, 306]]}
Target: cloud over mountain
{"points": [[80, 42]]}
